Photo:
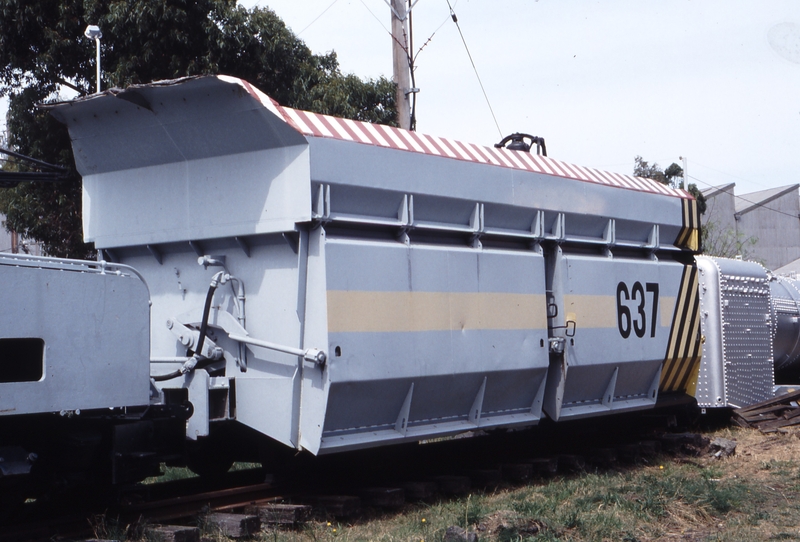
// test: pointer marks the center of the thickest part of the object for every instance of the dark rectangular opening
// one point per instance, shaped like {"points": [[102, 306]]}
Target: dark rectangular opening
{"points": [[176, 396], [217, 404], [21, 360]]}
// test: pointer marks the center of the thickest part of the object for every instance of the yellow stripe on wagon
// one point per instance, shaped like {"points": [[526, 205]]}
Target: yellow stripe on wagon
{"points": [[600, 311], [361, 311]]}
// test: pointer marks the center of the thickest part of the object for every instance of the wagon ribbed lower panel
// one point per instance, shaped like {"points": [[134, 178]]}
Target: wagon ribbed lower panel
{"points": [[428, 341]]}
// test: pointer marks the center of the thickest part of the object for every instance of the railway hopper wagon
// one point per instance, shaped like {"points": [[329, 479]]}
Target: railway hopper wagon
{"points": [[271, 279], [74, 376], [335, 285]]}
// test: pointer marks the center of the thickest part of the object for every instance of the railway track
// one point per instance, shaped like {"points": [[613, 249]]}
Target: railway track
{"points": [[356, 484]]}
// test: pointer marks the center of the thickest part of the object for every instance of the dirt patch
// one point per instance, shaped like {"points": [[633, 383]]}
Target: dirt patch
{"points": [[506, 523], [762, 457]]}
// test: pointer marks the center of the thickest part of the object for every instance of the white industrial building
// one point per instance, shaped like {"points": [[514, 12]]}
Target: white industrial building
{"points": [[767, 222], [14, 243]]}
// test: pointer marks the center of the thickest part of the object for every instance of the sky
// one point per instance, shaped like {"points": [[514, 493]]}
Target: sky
{"points": [[714, 81]]}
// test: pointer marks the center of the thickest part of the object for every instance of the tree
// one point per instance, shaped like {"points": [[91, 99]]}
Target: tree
{"points": [[642, 168], [43, 53], [46, 212], [726, 242], [714, 241]]}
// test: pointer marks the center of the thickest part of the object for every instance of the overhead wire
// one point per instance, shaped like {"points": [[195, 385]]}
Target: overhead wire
{"points": [[430, 38], [412, 56], [445, 20], [376, 17], [427, 41], [619, 164], [729, 174], [411, 68], [455, 20], [318, 17], [740, 198], [389, 31], [730, 192], [409, 52]]}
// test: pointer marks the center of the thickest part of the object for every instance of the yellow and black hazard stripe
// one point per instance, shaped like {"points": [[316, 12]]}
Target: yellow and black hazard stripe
{"points": [[689, 236], [682, 360]]}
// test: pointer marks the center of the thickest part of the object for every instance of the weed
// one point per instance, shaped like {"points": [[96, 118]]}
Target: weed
{"points": [[787, 469], [756, 517], [743, 498], [109, 528], [473, 512], [170, 474], [106, 528]]}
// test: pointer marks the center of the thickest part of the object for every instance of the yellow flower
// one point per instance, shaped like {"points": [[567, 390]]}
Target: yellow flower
{"points": [[423, 520], [334, 529], [661, 467], [329, 524]]}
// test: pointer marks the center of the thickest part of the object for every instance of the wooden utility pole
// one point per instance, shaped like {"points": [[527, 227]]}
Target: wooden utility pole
{"points": [[400, 56]]}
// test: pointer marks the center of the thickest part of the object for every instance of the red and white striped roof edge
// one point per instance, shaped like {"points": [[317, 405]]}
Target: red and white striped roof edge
{"points": [[316, 125]]}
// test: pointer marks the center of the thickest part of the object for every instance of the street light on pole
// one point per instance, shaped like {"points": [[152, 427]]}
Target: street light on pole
{"points": [[93, 33]]}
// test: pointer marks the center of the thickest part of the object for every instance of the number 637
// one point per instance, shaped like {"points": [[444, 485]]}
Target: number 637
{"points": [[625, 319]]}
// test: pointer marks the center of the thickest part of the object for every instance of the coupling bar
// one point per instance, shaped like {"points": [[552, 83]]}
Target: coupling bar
{"points": [[312, 354]]}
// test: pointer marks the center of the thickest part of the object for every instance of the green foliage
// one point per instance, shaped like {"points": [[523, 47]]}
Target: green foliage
{"points": [[642, 168], [170, 474], [43, 52], [663, 498], [110, 528], [669, 176], [701, 199], [673, 171], [610, 506], [47, 212], [726, 243], [350, 97]]}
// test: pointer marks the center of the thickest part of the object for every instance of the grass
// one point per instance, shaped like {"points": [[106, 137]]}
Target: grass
{"points": [[754, 495], [751, 496], [642, 504], [170, 474]]}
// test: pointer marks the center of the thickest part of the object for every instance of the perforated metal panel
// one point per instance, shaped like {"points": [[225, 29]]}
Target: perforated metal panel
{"points": [[737, 364], [746, 339]]}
